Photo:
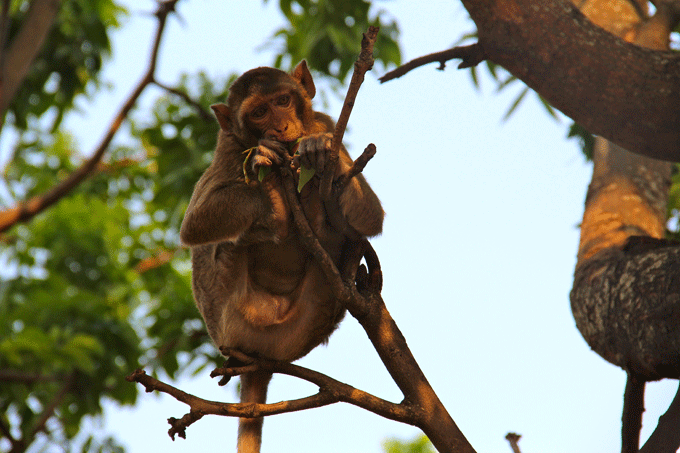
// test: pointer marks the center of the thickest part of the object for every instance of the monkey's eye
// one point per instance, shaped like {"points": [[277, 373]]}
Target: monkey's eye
{"points": [[283, 100], [259, 112]]}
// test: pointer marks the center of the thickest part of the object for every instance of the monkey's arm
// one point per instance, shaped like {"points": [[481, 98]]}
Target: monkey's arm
{"points": [[359, 204], [220, 210]]}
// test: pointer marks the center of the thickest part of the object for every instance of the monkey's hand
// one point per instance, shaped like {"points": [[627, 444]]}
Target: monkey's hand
{"points": [[268, 153], [313, 151]]}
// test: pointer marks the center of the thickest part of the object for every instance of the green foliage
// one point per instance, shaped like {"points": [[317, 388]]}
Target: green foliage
{"points": [[327, 34], [586, 139], [420, 444], [97, 285], [69, 61]]}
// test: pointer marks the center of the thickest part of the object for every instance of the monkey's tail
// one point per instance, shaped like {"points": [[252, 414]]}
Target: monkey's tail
{"points": [[253, 390]]}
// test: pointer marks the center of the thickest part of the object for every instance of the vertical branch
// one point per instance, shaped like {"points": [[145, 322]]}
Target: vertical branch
{"points": [[513, 440], [4, 30], [25, 46], [364, 63], [633, 407]]}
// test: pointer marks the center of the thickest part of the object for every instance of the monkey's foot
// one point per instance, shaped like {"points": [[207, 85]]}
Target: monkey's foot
{"points": [[236, 364]]}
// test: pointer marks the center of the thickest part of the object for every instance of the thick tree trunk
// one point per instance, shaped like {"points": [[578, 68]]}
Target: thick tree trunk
{"points": [[626, 93], [626, 290], [626, 304], [626, 293]]}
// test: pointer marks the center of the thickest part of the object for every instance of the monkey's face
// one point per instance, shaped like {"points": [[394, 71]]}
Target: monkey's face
{"points": [[274, 116]]}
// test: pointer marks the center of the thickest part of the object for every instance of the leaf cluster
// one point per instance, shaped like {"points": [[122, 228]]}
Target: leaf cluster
{"points": [[326, 33], [98, 285]]}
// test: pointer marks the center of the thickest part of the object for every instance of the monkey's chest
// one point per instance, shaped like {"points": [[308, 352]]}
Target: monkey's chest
{"points": [[277, 268]]}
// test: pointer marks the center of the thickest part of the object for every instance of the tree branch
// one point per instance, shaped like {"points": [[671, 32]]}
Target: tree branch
{"points": [[364, 63], [204, 114], [27, 210], [513, 440], [631, 92], [25, 47], [49, 410], [331, 391], [471, 55], [27, 378], [631, 419]]}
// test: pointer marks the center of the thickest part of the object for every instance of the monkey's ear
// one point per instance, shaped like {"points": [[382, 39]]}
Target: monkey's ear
{"points": [[223, 116], [301, 74]]}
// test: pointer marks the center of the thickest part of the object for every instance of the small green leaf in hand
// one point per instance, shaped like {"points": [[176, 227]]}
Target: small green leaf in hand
{"points": [[305, 175]]}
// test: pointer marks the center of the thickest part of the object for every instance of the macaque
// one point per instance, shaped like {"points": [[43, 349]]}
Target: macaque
{"points": [[258, 289]]}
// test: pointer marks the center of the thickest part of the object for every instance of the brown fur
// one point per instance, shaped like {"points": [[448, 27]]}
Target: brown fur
{"points": [[256, 286]]}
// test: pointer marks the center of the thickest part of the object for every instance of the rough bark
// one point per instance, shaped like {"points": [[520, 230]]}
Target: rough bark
{"points": [[626, 93], [627, 281], [627, 307]]}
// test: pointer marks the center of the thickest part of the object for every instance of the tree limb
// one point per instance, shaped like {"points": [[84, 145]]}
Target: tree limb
{"points": [[631, 419], [631, 93], [27, 210], [25, 47], [27, 378], [205, 115], [49, 410], [364, 63], [513, 440], [471, 55], [331, 391]]}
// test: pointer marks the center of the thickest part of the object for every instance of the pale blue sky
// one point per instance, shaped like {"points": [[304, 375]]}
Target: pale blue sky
{"points": [[477, 252]]}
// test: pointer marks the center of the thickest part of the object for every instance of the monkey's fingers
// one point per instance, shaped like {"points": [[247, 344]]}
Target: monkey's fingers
{"points": [[314, 151]]}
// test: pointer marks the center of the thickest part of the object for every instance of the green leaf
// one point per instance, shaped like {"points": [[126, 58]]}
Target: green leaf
{"points": [[305, 175], [263, 172], [516, 103]]}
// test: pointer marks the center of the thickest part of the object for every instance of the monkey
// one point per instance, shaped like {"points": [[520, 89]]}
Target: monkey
{"points": [[258, 289]]}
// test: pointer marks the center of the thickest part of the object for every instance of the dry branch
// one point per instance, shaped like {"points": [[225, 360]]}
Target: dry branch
{"points": [[631, 93], [471, 55], [364, 63], [27, 210], [331, 391], [513, 440], [631, 419]]}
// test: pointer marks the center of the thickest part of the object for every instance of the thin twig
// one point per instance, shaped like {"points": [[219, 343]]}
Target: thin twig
{"points": [[331, 391], [205, 115], [356, 168], [471, 55], [49, 410], [26, 211], [364, 63], [4, 32], [27, 378], [513, 439], [6, 433]]}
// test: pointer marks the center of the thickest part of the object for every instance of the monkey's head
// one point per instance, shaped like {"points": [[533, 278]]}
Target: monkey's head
{"points": [[268, 103]]}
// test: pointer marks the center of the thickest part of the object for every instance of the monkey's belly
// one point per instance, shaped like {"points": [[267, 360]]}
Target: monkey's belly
{"points": [[277, 269], [270, 300]]}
